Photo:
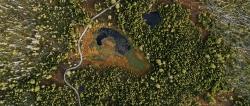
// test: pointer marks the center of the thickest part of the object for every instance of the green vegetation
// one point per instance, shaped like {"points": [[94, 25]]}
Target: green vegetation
{"points": [[232, 19], [190, 65], [35, 35], [38, 37]]}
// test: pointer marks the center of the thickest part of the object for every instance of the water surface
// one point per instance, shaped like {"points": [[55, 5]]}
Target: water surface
{"points": [[152, 18], [122, 44]]}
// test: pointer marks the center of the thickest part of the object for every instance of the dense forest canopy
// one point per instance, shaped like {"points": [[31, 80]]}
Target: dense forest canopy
{"points": [[192, 59]]}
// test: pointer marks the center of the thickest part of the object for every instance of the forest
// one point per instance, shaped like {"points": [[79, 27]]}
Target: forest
{"points": [[153, 52]]}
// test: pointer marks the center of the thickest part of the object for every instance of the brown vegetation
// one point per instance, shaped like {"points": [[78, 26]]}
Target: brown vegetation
{"points": [[195, 8]]}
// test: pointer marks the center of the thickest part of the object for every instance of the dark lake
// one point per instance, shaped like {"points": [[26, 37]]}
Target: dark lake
{"points": [[122, 44]]}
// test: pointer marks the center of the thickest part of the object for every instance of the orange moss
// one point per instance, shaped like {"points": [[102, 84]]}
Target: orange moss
{"points": [[109, 58]]}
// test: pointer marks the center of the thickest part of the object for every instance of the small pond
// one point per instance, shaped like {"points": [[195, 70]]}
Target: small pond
{"points": [[152, 18]]}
